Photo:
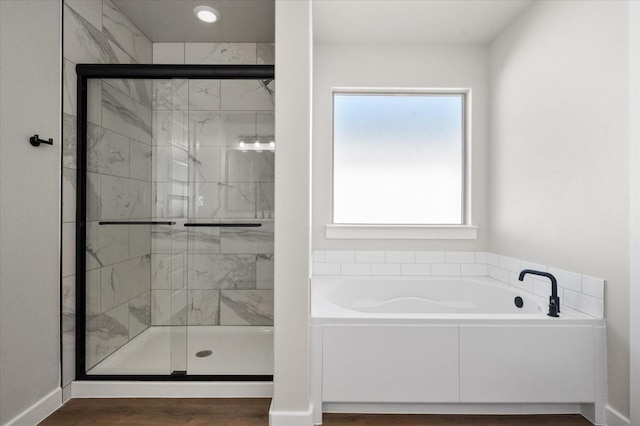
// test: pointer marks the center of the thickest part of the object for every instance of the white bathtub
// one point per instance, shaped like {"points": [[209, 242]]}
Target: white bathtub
{"points": [[450, 345], [433, 298]]}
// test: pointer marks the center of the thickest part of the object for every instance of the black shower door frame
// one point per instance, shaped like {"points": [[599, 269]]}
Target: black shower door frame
{"points": [[85, 72]]}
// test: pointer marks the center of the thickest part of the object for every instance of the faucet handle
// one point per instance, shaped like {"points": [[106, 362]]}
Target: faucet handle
{"points": [[554, 306]]}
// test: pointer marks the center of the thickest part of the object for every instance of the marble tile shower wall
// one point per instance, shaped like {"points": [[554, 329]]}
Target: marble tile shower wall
{"points": [[119, 181], [581, 292], [212, 276]]}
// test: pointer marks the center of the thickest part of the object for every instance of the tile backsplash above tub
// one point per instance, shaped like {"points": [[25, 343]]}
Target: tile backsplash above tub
{"points": [[580, 292]]}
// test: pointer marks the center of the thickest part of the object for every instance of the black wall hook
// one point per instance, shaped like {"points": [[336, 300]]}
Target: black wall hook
{"points": [[36, 141]]}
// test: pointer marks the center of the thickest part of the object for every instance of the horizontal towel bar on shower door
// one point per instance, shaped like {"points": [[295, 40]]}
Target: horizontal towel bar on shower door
{"points": [[124, 222], [226, 225]]}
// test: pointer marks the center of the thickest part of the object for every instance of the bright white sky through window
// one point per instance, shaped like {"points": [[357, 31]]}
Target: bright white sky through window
{"points": [[398, 158]]}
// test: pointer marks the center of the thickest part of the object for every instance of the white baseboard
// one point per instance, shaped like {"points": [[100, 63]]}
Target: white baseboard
{"points": [[66, 393], [453, 408], [117, 389], [38, 411], [291, 418], [614, 418]]}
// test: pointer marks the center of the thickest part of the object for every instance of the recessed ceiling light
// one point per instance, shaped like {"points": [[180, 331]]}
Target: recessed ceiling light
{"points": [[206, 14]]}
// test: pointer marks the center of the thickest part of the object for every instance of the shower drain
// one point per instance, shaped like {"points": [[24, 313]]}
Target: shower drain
{"points": [[203, 354]]}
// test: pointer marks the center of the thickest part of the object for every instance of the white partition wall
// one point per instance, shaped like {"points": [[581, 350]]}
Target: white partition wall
{"points": [[290, 404], [634, 317], [29, 211]]}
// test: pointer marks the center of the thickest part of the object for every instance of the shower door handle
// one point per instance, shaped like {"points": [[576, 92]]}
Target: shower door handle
{"points": [[125, 222], [225, 225]]}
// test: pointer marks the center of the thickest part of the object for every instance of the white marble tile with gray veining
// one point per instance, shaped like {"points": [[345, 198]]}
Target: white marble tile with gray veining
{"points": [[140, 160], [204, 95], [68, 195], [220, 53], [264, 272], [208, 203], [124, 115], [266, 124], [69, 88], [170, 94], [247, 240], [221, 271], [250, 166], [68, 323], [171, 128], [83, 43], [247, 95], [106, 333], [206, 163], [204, 240], [139, 240], [69, 244], [168, 239], [139, 314], [167, 271], [106, 244], [69, 145], [203, 307], [94, 101], [120, 30], [246, 307], [91, 10], [123, 198], [107, 152], [211, 128], [124, 281], [168, 53], [92, 289], [171, 199], [266, 53], [239, 200], [168, 307], [69, 355], [171, 164], [137, 89], [68, 305], [94, 190], [161, 271], [265, 203]]}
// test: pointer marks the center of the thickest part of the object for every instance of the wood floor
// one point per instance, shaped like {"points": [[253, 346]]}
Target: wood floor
{"points": [[250, 412]]}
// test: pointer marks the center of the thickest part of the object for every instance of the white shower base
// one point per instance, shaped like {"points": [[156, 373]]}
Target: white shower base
{"points": [[160, 350]]}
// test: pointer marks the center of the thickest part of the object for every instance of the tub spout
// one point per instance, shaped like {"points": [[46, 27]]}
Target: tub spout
{"points": [[554, 300]]}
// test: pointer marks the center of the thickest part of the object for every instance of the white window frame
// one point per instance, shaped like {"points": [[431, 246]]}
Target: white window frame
{"points": [[463, 231]]}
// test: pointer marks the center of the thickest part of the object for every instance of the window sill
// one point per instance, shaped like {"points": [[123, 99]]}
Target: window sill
{"points": [[402, 232]]}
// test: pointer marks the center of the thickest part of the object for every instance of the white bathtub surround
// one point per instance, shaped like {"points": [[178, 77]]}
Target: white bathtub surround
{"points": [[432, 344], [583, 293]]}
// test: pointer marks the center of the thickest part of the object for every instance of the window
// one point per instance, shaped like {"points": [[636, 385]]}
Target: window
{"points": [[399, 158]]}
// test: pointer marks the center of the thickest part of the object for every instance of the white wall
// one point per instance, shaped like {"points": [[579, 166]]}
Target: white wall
{"points": [[634, 300], [290, 405], [559, 153], [394, 66], [30, 82]]}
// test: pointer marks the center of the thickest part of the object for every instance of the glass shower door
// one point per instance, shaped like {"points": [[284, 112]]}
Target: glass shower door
{"points": [[179, 228], [230, 255], [119, 224]]}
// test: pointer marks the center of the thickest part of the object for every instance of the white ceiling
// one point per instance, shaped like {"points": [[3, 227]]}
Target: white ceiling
{"points": [[241, 21], [413, 21], [355, 21]]}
